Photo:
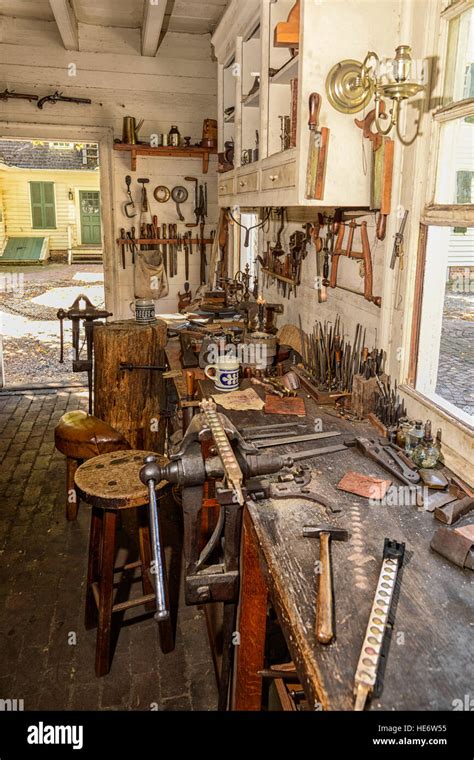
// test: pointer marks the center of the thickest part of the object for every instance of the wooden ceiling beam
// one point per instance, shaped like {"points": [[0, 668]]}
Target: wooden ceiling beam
{"points": [[153, 16], [66, 22]]}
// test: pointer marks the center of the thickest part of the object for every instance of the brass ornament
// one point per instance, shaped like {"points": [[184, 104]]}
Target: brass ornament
{"points": [[344, 87]]}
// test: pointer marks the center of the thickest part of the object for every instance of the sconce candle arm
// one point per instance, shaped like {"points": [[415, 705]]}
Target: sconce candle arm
{"points": [[379, 115]]}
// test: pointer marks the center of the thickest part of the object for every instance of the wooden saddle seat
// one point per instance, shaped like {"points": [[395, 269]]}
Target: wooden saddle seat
{"points": [[81, 436], [109, 483]]}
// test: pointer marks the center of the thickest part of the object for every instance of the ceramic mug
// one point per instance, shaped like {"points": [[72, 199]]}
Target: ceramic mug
{"points": [[144, 310], [225, 373]]}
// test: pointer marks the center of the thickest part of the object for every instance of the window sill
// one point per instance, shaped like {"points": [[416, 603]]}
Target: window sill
{"points": [[457, 436], [442, 407]]}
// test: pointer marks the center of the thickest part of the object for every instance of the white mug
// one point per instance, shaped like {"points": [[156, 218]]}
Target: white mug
{"points": [[225, 373]]}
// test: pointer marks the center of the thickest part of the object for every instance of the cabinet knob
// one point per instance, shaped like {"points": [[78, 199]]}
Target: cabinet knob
{"points": [[221, 187], [242, 183], [273, 177]]}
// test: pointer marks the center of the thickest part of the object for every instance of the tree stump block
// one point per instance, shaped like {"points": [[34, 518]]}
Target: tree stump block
{"points": [[131, 400], [364, 393]]}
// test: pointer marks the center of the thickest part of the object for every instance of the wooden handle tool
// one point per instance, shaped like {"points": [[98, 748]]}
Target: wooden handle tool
{"points": [[324, 612]]}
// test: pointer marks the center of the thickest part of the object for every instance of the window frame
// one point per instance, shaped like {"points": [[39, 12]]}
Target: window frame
{"points": [[436, 214]]}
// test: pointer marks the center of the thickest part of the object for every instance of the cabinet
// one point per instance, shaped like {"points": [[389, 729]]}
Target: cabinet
{"points": [[270, 170]]}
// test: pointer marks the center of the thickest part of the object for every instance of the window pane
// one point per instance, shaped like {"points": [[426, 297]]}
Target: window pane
{"points": [[446, 353], [455, 176], [459, 78]]}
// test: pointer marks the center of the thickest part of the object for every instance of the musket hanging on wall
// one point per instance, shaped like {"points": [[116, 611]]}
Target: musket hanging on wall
{"points": [[57, 97]]}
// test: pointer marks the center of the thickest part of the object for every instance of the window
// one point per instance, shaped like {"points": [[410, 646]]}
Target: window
{"points": [[43, 207], [444, 336]]}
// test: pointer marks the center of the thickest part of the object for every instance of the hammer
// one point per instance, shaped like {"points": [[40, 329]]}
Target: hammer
{"points": [[324, 615]]}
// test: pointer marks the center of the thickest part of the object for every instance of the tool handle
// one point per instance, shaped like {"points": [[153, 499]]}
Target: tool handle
{"points": [[158, 566], [314, 109], [381, 226], [324, 627]]}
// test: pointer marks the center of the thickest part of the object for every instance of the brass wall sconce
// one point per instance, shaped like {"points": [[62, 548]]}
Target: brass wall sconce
{"points": [[350, 85]]}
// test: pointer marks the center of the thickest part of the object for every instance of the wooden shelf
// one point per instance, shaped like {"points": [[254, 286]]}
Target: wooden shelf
{"points": [[287, 72], [167, 151], [280, 277]]}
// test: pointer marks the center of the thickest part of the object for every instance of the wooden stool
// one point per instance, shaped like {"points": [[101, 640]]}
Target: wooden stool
{"points": [[80, 436], [110, 483]]}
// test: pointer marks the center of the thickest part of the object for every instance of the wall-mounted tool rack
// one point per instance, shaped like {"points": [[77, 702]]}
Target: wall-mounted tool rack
{"points": [[280, 277], [160, 241]]}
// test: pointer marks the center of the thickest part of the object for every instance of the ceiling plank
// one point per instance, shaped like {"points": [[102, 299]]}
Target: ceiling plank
{"points": [[66, 22], [153, 15]]}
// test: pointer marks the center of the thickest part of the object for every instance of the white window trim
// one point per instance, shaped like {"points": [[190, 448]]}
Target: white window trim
{"points": [[104, 136], [457, 435]]}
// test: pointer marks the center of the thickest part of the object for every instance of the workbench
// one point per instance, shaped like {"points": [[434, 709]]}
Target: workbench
{"points": [[429, 662]]}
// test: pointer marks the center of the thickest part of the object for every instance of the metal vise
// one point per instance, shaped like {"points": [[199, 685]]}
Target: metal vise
{"points": [[189, 469], [212, 572], [89, 314]]}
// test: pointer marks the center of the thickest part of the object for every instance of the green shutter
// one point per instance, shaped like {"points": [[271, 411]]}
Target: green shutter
{"points": [[43, 210]]}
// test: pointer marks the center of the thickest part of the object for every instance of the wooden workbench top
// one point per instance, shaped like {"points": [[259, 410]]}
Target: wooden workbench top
{"points": [[429, 662]]}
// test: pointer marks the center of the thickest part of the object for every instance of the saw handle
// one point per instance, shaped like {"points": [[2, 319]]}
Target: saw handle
{"points": [[324, 626], [314, 109]]}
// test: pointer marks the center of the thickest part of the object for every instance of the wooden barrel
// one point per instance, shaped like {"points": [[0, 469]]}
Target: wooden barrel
{"points": [[131, 400]]}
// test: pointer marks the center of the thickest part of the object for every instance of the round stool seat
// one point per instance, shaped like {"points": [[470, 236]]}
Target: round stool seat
{"points": [[82, 436], [112, 481]]}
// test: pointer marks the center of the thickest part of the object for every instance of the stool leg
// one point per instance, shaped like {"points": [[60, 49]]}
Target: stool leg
{"points": [[106, 592], [93, 567], [145, 554], [72, 498]]}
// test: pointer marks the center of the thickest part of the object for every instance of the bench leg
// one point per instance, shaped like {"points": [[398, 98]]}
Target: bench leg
{"points": [[106, 593], [72, 498], [93, 566], [249, 656], [145, 554]]}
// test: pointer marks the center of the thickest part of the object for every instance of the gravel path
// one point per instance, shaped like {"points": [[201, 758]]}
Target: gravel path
{"points": [[29, 300]]}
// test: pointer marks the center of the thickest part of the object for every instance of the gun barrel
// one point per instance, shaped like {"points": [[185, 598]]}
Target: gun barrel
{"points": [[73, 100], [6, 94]]}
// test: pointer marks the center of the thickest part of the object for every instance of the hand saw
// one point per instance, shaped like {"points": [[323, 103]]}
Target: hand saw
{"points": [[317, 151]]}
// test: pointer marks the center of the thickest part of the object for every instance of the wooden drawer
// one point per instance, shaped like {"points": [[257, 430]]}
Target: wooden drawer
{"points": [[226, 186], [247, 183], [279, 176]]}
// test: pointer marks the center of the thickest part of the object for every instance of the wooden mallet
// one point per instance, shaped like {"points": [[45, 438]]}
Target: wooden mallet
{"points": [[324, 613]]}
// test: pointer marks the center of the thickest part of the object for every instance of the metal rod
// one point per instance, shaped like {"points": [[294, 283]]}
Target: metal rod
{"points": [[162, 612], [259, 444]]}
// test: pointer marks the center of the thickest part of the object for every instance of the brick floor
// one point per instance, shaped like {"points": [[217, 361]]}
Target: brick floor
{"points": [[47, 656]]}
